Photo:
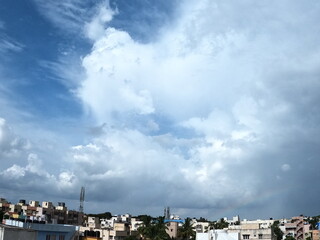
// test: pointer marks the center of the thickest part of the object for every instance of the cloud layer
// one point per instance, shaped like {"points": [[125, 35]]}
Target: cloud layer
{"points": [[218, 113], [240, 77]]}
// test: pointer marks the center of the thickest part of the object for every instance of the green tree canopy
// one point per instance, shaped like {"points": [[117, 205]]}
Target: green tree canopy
{"points": [[276, 230], [221, 224], [313, 221], [153, 229], [201, 219], [289, 238], [186, 231]]}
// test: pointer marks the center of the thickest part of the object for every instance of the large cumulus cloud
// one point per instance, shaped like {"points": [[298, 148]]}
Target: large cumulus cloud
{"points": [[216, 115], [240, 79]]}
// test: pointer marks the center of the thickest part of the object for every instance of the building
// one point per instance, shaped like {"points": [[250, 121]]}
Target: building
{"points": [[218, 235], [93, 222], [262, 223], [253, 230], [315, 234], [296, 227], [135, 224], [46, 213], [120, 231], [200, 227], [16, 233], [172, 228], [234, 221], [44, 231]]}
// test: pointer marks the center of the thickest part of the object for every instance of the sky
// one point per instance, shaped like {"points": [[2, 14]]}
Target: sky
{"points": [[210, 107]]}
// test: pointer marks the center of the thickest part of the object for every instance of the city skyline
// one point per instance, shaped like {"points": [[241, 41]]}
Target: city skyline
{"points": [[210, 107]]}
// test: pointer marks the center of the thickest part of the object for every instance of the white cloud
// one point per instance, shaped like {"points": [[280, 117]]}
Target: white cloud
{"points": [[8, 44], [14, 172], [285, 167], [131, 162], [68, 15], [218, 73], [195, 119], [35, 177], [34, 166], [66, 180], [96, 27]]}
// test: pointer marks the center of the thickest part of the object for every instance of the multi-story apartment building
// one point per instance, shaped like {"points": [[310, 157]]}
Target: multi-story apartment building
{"points": [[11, 232], [218, 234], [116, 228], [200, 227], [253, 231], [172, 229], [135, 224], [36, 231], [297, 227], [46, 213]]}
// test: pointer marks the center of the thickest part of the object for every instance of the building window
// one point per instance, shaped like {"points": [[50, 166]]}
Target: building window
{"points": [[47, 237], [260, 236], [246, 236], [61, 237]]}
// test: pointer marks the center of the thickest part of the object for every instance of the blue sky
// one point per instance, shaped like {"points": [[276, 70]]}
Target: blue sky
{"points": [[210, 107]]}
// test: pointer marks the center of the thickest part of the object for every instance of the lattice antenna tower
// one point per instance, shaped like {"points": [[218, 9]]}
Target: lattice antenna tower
{"points": [[82, 193], [167, 212]]}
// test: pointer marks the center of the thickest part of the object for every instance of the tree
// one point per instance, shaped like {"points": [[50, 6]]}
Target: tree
{"points": [[153, 229], [276, 230], [146, 219], [145, 229], [186, 231], [201, 219], [289, 238], [160, 228], [221, 224], [313, 221]]}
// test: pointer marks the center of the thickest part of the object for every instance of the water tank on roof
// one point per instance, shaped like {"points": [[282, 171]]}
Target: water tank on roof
{"points": [[61, 204]]}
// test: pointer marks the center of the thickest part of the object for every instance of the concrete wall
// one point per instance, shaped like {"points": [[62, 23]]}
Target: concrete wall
{"points": [[10, 233], [172, 229], [45, 229], [217, 235], [316, 234]]}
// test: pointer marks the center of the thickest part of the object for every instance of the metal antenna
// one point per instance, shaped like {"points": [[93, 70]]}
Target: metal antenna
{"points": [[81, 199]]}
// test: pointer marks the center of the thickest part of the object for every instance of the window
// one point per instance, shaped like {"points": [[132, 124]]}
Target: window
{"points": [[61, 237], [246, 236], [47, 237], [260, 236]]}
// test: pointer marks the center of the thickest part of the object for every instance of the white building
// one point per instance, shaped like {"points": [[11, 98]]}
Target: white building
{"points": [[253, 230], [200, 227], [218, 235]]}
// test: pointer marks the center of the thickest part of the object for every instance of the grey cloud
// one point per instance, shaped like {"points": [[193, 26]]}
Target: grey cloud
{"points": [[244, 80], [241, 79], [11, 145]]}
